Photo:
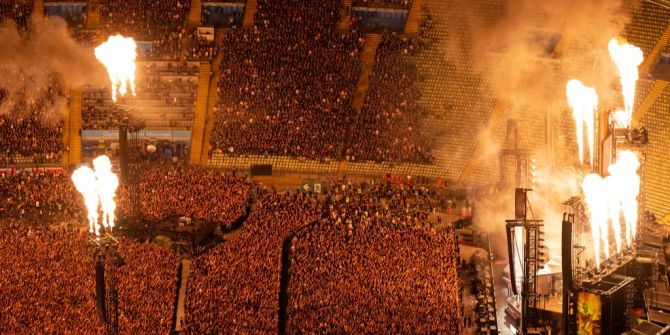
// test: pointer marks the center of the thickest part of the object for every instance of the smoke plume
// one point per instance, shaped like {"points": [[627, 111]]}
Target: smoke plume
{"points": [[32, 60]]}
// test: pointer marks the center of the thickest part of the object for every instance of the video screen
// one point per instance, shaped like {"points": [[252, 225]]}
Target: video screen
{"points": [[588, 313]]}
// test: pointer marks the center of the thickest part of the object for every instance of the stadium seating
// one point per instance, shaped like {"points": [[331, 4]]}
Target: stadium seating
{"points": [[165, 98]]}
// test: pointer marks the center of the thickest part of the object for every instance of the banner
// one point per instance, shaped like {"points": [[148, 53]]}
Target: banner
{"points": [[144, 134]]}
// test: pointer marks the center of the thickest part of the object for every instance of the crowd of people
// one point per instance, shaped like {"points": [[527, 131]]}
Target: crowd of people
{"points": [[353, 278], [375, 264], [200, 47], [30, 118], [196, 193], [147, 285], [233, 289], [389, 127], [17, 11], [286, 90], [47, 282], [40, 197], [158, 22]]}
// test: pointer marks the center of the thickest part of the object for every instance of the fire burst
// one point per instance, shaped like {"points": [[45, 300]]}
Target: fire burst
{"points": [[118, 55], [611, 198], [99, 189], [584, 103], [627, 58]]}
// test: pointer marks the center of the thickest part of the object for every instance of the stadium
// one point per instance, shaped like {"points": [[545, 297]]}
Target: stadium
{"points": [[334, 167]]}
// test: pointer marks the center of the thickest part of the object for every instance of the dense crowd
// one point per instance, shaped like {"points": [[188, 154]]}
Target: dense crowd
{"points": [[389, 128], [200, 47], [233, 289], [158, 22], [30, 117], [196, 193], [47, 282], [17, 11], [147, 285], [284, 90], [40, 197], [374, 264], [355, 278]]}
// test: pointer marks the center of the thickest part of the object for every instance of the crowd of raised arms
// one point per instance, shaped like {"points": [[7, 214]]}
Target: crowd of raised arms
{"points": [[47, 284], [377, 233]]}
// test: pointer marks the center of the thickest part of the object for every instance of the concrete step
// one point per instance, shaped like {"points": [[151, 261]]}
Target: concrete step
{"points": [[200, 113], [249, 13], [93, 14], [195, 15]]}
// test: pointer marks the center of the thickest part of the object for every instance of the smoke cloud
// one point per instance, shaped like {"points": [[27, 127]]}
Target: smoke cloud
{"points": [[32, 63], [523, 47]]}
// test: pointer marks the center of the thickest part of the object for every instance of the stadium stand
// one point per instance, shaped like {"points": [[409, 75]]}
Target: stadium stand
{"points": [[31, 128], [656, 165], [388, 128], [158, 22], [17, 10], [295, 103], [165, 98]]}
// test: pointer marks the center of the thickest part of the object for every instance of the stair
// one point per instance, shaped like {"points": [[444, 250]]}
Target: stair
{"points": [[93, 14], [65, 113], [368, 57], [195, 15], [652, 58], [212, 97], [76, 99], [249, 13], [367, 62], [197, 135], [38, 9], [649, 100], [496, 116], [414, 18], [345, 16]]}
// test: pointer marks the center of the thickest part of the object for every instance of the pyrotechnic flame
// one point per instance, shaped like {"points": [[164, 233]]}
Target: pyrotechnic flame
{"points": [[99, 189], [625, 175], [620, 118], [627, 58], [592, 186], [610, 198], [118, 55], [107, 183], [84, 181], [584, 103]]}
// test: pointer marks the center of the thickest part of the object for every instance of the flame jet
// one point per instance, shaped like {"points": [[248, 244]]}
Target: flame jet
{"points": [[625, 175], [627, 58], [593, 187], [118, 55], [85, 183], [107, 183], [584, 103]]}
